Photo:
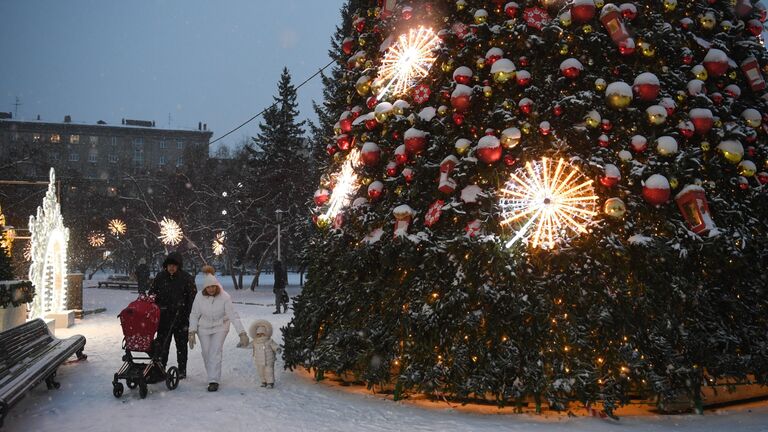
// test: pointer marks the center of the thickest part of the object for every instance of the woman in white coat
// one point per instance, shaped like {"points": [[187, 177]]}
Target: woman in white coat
{"points": [[211, 315]]}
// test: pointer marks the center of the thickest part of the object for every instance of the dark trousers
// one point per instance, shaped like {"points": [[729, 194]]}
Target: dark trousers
{"points": [[180, 333], [280, 296]]}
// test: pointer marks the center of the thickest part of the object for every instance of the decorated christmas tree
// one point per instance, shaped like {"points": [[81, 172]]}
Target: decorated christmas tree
{"points": [[543, 200]]}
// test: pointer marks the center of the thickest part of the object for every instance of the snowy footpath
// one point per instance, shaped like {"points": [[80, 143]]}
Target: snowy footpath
{"points": [[85, 402]]}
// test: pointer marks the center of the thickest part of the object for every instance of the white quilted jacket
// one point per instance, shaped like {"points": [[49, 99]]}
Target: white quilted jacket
{"points": [[212, 314]]}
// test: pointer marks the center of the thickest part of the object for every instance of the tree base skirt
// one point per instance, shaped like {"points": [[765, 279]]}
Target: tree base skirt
{"points": [[726, 392], [12, 316]]}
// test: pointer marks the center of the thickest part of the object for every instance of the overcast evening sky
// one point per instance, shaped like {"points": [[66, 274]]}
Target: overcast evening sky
{"points": [[212, 61]]}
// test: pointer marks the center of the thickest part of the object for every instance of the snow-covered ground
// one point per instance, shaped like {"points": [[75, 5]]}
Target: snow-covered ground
{"points": [[85, 402]]}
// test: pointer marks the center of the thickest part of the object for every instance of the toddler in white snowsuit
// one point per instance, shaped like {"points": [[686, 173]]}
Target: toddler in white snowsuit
{"points": [[265, 351]]}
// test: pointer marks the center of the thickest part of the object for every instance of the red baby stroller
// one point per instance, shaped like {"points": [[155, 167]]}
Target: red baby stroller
{"points": [[140, 321]]}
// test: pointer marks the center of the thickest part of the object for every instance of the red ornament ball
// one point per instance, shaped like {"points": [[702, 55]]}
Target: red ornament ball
{"points": [[583, 11]]}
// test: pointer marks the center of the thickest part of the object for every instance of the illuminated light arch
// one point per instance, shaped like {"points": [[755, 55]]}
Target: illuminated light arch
{"points": [[49, 240]]}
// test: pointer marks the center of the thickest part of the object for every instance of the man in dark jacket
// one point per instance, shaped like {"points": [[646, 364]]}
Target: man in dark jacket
{"points": [[175, 291], [281, 281], [142, 276]]}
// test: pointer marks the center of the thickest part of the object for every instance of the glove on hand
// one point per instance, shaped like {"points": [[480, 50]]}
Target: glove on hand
{"points": [[192, 340], [244, 341]]}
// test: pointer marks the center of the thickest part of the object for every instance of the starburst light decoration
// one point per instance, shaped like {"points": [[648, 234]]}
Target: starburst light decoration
{"points": [[407, 61], [346, 184], [170, 232], [117, 227], [547, 202], [96, 239], [218, 243]]}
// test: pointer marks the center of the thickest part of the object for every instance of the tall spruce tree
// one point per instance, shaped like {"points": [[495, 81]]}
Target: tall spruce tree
{"points": [[279, 157], [586, 216]]}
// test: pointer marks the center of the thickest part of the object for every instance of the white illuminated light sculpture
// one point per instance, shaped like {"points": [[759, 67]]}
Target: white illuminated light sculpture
{"points": [[117, 227], [407, 61], [547, 202], [48, 271], [346, 184]]}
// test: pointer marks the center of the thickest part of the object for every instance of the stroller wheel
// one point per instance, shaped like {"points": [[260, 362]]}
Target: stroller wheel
{"points": [[172, 378], [117, 389], [131, 384], [143, 389]]}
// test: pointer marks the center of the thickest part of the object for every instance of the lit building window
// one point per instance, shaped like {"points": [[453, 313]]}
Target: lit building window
{"points": [[94, 139], [161, 163], [93, 156], [180, 144], [54, 156], [36, 137], [179, 162], [74, 157], [74, 139], [113, 158], [114, 141], [55, 138], [163, 144], [15, 136]]}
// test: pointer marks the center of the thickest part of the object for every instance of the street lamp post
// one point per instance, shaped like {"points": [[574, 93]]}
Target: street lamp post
{"points": [[278, 219]]}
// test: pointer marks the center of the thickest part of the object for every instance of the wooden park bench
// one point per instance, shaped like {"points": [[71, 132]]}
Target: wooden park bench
{"points": [[30, 354], [121, 284]]}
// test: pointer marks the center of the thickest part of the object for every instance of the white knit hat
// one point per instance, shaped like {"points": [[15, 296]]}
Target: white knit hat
{"points": [[209, 278]]}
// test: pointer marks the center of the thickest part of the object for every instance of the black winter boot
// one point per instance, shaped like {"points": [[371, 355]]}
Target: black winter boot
{"points": [[212, 387]]}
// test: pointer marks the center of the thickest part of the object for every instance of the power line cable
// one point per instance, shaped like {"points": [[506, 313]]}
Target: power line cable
{"points": [[319, 71]]}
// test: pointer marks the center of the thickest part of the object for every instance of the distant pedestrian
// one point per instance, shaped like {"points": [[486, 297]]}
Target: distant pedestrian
{"points": [[212, 313], [142, 275], [175, 292], [265, 351], [281, 281]]}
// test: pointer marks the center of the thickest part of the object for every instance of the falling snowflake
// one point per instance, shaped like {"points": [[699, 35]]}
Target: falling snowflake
{"points": [[170, 232]]}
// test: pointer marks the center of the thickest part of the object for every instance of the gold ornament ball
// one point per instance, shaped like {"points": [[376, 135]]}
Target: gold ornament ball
{"points": [[599, 4], [670, 5], [615, 208], [706, 146], [587, 29], [707, 22], [600, 84], [700, 72], [731, 157], [442, 110], [361, 41], [733, 75], [368, 64], [381, 117], [619, 101], [461, 5], [360, 62], [656, 119], [564, 49], [480, 63], [488, 91], [565, 20], [337, 129], [673, 183], [647, 49], [399, 190], [717, 123], [447, 66], [481, 17], [726, 25], [502, 76], [526, 128], [680, 96], [364, 137], [747, 168], [592, 122], [323, 221]]}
